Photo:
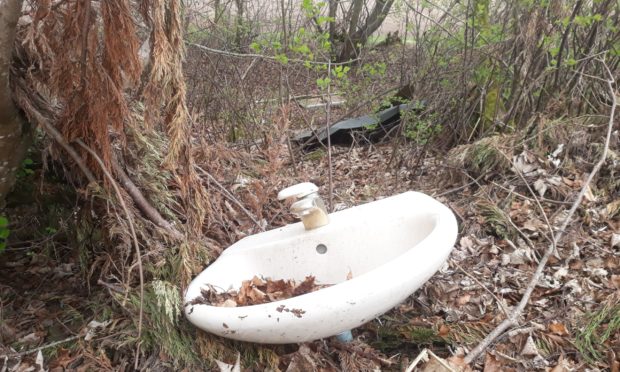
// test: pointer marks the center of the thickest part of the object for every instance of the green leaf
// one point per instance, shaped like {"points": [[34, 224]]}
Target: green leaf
{"points": [[323, 83], [282, 58]]}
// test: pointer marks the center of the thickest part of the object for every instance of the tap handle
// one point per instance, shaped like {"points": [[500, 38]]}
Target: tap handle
{"points": [[298, 191]]}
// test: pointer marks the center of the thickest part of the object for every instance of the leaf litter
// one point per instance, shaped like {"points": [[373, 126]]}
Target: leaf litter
{"points": [[258, 291]]}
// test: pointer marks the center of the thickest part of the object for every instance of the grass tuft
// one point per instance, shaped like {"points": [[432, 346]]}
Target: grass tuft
{"points": [[600, 328]]}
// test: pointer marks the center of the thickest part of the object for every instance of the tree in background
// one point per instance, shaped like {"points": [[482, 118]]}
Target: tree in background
{"points": [[357, 24]]}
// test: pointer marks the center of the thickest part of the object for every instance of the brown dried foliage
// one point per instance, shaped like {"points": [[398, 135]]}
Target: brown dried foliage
{"points": [[165, 92], [87, 55], [259, 291]]}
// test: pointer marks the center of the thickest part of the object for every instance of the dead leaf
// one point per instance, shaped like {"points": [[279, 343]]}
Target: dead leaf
{"points": [[615, 281], [302, 360], [463, 299], [31, 338], [444, 330], [94, 327], [589, 195], [39, 361], [529, 349], [562, 366], [558, 329], [492, 364], [257, 291], [225, 367], [256, 281], [304, 287], [540, 186], [62, 359], [256, 295]]}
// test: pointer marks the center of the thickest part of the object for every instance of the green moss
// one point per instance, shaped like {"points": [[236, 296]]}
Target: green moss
{"points": [[405, 336], [315, 155]]}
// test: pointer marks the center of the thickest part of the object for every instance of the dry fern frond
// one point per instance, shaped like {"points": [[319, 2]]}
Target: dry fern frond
{"points": [[497, 221], [484, 157]]}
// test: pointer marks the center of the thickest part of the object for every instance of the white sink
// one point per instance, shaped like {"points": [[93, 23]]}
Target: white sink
{"points": [[390, 247]]}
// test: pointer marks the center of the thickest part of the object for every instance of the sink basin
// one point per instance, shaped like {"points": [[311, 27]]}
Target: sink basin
{"points": [[375, 255]]}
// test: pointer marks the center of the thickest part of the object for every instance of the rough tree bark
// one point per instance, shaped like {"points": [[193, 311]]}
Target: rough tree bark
{"points": [[239, 27], [14, 133], [358, 35], [333, 11]]}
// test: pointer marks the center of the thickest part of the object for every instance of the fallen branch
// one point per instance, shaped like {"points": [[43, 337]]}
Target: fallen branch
{"points": [[261, 56], [37, 349], [149, 211], [28, 102], [230, 196], [513, 319], [134, 237]]}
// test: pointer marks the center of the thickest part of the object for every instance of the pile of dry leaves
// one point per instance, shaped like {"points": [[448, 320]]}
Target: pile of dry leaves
{"points": [[257, 291]]}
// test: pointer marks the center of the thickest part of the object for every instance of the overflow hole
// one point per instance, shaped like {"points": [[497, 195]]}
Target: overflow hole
{"points": [[321, 249]]}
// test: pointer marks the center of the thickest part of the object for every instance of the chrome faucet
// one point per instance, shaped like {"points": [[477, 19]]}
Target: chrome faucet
{"points": [[309, 206]]}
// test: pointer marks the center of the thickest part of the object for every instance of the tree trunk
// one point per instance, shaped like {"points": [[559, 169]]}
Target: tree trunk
{"points": [[349, 45], [358, 36], [14, 136], [333, 12], [239, 26]]}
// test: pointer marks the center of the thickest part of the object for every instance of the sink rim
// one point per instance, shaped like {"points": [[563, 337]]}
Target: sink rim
{"points": [[397, 282], [354, 279]]}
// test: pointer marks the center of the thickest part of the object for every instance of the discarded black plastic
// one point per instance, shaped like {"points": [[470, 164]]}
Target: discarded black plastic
{"points": [[371, 128]]}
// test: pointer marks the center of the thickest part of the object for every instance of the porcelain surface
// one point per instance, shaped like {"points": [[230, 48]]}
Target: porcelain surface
{"points": [[389, 247]]}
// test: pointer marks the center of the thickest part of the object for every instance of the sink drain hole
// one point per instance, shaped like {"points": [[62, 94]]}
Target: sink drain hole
{"points": [[321, 249]]}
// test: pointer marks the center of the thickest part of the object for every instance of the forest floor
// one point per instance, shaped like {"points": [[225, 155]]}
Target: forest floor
{"points": [[52, 316], [57, 313]]}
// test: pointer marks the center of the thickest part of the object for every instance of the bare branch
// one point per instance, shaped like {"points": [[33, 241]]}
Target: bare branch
{"points": [[261, 56], [513, 319], [230, 196], [149, 211], [134, 237]]}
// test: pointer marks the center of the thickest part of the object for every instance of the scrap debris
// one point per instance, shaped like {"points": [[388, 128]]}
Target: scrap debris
{"points": [[257, 291]]}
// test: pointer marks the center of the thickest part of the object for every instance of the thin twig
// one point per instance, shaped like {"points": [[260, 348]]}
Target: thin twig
{"points": [[252, 55], [546, 200], [499, 303], [514, 226], [37, 349], [230, 197], [512, 320], [133, 235], [536, 200], [475, 181], [43, 122], [329, 138], [149, 211]]}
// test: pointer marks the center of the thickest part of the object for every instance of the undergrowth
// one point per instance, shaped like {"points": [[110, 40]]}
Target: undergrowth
{"points": [[599, 329]]}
